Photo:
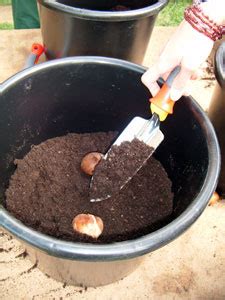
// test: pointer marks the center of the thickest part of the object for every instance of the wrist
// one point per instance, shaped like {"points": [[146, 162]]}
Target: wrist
{"points": [[215, 10], [205, 20]]}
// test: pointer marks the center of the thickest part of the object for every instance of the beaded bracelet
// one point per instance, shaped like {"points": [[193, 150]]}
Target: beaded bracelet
{"points": [[202, 23]]}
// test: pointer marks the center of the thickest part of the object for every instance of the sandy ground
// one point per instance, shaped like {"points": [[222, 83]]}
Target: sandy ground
{"points": [[6, 14], [191, 267]]}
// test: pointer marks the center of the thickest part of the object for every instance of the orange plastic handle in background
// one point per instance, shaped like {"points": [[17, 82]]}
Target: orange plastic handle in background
{"points": [[37, 49]]}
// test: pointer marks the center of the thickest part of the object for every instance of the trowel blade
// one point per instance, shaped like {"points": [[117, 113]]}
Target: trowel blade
{"points": [[134, 146]]}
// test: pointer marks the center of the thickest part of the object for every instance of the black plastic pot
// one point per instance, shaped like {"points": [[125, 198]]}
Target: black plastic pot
{"points": [[87, 27], [100, 94], [217, 111]]}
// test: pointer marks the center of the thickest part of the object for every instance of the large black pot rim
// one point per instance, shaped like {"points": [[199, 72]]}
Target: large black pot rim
{"points": [[220, 65], [126, 249], [111, 16]]}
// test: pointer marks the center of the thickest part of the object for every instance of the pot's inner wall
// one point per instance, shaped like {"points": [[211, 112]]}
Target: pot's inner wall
{"points": [[98, 97], [107, 4]]}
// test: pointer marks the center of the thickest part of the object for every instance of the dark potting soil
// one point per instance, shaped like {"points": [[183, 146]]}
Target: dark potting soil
{"points": [[106, 5], [48, 190], [120, 8], [123, 5], [120, 165]]}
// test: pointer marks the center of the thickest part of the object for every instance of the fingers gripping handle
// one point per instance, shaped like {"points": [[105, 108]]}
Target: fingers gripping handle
{"points": [[162, 104], [36, 52]]}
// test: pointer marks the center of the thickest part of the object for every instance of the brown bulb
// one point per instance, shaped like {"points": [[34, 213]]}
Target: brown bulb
{"points": [[90, 161], [88, 224], [214, 199]]}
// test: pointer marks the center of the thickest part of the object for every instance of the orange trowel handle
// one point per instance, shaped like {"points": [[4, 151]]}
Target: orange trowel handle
{"points": [[162, 99]]}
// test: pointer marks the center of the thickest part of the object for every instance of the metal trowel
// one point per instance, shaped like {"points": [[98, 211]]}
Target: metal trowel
{"points": [[111, 175]]}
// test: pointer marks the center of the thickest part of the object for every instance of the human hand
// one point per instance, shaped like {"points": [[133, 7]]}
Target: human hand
{"points": [[187, 48]]}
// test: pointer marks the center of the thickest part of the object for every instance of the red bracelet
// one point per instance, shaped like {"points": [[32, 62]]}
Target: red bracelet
{"points": [[199, 21]]}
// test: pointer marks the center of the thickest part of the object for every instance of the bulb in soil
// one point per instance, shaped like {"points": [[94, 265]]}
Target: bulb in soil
{"points": [[88, 224], [90, 161], [214, 199]]}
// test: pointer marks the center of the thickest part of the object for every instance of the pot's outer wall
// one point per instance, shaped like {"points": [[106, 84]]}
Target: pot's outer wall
{"points": [[69, 31], [90, 94], [217, 111], [81, 272]]}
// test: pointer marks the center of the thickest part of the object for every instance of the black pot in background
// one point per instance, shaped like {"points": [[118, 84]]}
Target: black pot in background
{"points": [[217, 111], [88, 27], [90, 94]]}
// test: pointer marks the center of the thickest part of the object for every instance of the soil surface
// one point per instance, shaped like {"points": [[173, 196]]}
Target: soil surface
{"points": [[113, 5], [122, 5], [48, 190]]}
